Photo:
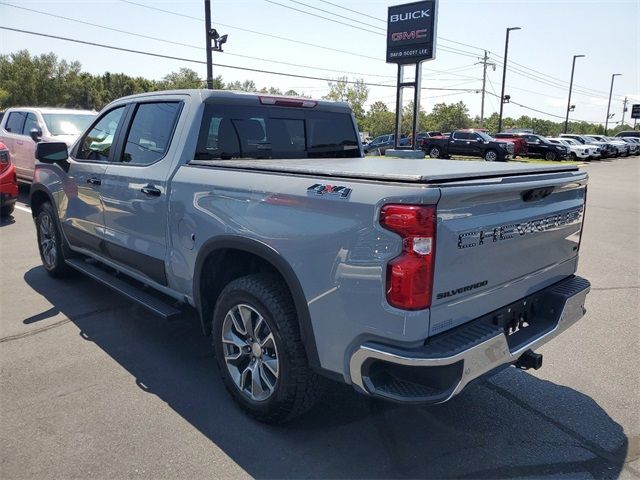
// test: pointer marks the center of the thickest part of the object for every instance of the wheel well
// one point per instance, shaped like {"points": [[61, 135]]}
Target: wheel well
{"points": [[37, 199], [223, 266]]}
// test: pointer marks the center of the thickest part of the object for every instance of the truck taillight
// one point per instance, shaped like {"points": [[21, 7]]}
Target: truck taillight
{"points": [[410, 275]]}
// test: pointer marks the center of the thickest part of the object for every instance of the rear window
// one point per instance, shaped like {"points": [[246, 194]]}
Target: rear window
{"points": [[235, 131]]}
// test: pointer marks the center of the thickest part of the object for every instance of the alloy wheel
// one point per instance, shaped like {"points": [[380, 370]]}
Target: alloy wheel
{"points": [[250, 352], [48, 241]]}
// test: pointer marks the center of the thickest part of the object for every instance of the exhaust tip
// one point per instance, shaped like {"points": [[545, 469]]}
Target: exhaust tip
{"points": [[529, 359]]}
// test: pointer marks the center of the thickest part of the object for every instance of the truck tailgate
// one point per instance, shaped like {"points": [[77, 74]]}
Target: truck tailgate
{"points": [[501, 240]]}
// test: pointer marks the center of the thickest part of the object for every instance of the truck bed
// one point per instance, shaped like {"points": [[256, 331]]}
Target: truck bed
{"points": [[390, 169]]}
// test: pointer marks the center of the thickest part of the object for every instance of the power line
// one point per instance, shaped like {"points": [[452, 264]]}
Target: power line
{"points": [[335, 14], [194, 46], [353, 11], [295, 41], [291, 40], [324, 18], [257, 70], [443, 47]]}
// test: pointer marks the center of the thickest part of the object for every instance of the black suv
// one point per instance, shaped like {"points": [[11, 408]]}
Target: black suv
{"points": [[538, 146]]}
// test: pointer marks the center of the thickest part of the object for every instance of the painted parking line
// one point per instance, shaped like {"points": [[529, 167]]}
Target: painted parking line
{"points": [[24, 208]]}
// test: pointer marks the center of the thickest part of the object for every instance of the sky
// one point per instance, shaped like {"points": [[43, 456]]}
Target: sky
{"points": [[277, 35]]}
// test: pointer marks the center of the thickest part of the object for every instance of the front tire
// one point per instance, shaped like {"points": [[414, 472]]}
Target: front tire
{"points": [[434, 152], [50, 242], [259, 350], [573, 156], [491, 156], [551, 156]]}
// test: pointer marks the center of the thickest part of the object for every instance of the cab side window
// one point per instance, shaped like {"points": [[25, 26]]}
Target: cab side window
{"points": [[96, 145], [15, 122], [150, 132], [30, 123]]}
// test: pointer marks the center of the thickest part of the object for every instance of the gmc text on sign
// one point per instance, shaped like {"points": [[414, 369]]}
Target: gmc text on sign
{"points": [[411, 32]]}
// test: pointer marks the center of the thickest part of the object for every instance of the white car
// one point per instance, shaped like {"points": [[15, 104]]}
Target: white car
{"points": [[22, 127], [634, 144], [623, 147], [576, 149]]}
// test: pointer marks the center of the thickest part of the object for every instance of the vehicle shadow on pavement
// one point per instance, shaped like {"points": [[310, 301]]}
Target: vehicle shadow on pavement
{"points": [[511, 425], [9, 220]]}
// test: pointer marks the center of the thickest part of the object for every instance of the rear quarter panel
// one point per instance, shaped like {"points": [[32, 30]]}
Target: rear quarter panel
{"points": [[334, 246]]}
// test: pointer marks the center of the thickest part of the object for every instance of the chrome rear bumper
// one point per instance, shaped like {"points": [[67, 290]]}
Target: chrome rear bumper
{"points": [[449, 361]]}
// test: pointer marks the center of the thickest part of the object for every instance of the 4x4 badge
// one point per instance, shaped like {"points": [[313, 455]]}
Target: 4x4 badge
{"points": [[322, 189]]}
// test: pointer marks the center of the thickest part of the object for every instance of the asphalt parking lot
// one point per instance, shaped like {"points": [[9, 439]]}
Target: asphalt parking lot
{"points": [[92, 386]]}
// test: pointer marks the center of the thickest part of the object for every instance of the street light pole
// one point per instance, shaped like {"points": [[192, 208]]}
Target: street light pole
{"points": [[573, 67], [207, 23], [504, 74], [606, 123]]}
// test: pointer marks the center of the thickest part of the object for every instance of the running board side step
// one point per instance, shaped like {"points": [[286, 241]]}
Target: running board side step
{"points": [[151, 303]]}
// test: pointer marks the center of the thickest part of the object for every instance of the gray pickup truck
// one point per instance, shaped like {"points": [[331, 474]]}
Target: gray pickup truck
{"points": [[305, 260]]}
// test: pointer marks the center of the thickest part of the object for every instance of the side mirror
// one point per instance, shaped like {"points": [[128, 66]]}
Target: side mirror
{"points": [[52, 152], [35, 134]]}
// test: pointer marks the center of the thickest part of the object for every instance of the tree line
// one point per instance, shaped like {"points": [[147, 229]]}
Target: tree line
{"points": [[45, 80]]}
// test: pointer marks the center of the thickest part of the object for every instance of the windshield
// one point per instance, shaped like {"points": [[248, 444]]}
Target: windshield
{"points": [[67, 123], [236, 131], [569, 141], [485, 137]]}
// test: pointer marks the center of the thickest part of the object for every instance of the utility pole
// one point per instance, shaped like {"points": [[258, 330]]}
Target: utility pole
{"points": [[207, 23], [624, 110], [573, 67], [485, 63], [606, 123], [504, 74]]}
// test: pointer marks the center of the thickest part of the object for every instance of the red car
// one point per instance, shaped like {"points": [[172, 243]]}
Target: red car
{"points": [[8, 183], [519, 143]]}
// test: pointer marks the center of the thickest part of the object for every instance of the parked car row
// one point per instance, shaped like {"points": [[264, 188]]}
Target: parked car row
{"points": [[505, 145]]}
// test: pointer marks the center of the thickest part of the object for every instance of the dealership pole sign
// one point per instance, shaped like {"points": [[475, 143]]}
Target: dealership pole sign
{"points": [[635, 110], [411, 32], [411, 40]]}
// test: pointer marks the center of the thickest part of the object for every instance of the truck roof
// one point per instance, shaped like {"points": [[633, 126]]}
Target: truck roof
{"points": [[46, 110], [231, 96]]}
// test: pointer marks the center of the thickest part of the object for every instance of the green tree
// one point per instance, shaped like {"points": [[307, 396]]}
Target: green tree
{"points": [[182, 79], [246, 86], [379, 119], [355, 94], [447, 117], [407, 120]]}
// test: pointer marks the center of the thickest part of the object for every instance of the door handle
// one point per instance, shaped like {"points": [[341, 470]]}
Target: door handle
{"points": [[94, 181], [151, 191]]}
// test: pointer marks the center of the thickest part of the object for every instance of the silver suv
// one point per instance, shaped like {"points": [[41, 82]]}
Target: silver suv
{"points": [[21, 128]]}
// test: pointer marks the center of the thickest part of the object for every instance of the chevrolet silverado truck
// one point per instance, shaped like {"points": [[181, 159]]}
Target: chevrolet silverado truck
{"points": [[305, 260], [473, 143]]}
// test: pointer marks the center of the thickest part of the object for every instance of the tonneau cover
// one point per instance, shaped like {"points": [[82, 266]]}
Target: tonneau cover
{"points": [[390, 169]]}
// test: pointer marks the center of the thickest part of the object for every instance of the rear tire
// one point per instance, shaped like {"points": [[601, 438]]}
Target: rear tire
{"points": [[255, 331], [434, 152], [50, 242]]}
